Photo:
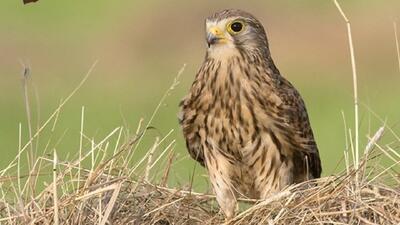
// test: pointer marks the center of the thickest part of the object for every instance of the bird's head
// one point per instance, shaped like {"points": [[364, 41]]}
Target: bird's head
{"points": [[233, 30]]}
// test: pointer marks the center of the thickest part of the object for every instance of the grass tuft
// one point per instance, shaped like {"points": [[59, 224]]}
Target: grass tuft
{"points": [[105, 184]]}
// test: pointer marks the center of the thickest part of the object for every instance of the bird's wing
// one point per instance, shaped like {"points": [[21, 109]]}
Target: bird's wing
{"points": [[291, 118], [188, 118]]}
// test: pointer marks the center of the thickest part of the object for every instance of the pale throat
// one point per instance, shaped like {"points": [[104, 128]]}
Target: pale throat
{"points": [[223, 51], [229, 70]]}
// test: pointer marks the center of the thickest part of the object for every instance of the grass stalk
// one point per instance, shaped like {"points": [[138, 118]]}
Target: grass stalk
{"points": [[355, 85], [19, 158], [30, 154], [166, 94], [80, 144], [397, 43], [55, 195]]}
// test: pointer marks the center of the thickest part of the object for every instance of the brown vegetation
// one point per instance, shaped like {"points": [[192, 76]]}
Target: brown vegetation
{"points": [[111, 192]]}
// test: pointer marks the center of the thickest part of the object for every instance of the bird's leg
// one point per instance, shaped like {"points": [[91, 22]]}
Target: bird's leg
{"points": [[224, 193]]}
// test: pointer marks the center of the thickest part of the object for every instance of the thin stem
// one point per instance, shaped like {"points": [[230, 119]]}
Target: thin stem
{"points": [[166, 94], [52, 116], [397, 43], [55, 196], [355, 86], [30, 154], [80, 145]]}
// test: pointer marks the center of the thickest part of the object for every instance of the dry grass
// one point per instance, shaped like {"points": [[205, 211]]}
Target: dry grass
{"points": [[111, 192], [109, 184]]}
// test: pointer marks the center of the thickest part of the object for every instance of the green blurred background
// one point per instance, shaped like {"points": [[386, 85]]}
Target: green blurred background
{"points": [[141, 45]]}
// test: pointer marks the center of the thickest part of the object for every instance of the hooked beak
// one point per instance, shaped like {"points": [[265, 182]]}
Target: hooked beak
{"points": [[214, 36]]}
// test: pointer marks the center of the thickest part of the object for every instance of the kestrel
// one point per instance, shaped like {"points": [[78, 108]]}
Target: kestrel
{"points": [[242, 119]]}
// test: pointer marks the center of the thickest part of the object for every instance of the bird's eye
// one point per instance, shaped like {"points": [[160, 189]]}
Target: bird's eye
{"points": [[235, 27]]}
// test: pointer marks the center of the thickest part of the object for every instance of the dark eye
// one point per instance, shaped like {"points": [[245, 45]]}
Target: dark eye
{"points": [[236, 26]]}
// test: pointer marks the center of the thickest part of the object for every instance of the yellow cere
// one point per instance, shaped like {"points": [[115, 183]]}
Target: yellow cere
{"points": [[216, 32]]}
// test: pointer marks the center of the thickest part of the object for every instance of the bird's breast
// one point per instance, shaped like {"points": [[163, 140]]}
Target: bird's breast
{"points": [[227, 106], [232, 116]]}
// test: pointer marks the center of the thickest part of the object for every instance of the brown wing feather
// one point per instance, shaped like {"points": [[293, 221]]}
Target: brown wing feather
{"points": [[293, 121], [190, 116], [186, 118]]}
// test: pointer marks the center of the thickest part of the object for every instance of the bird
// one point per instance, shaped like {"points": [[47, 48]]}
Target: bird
{"points": [[242, 120]]}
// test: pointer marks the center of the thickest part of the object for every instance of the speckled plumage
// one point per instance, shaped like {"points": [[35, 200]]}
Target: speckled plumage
{"points": [[245, 122]]}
